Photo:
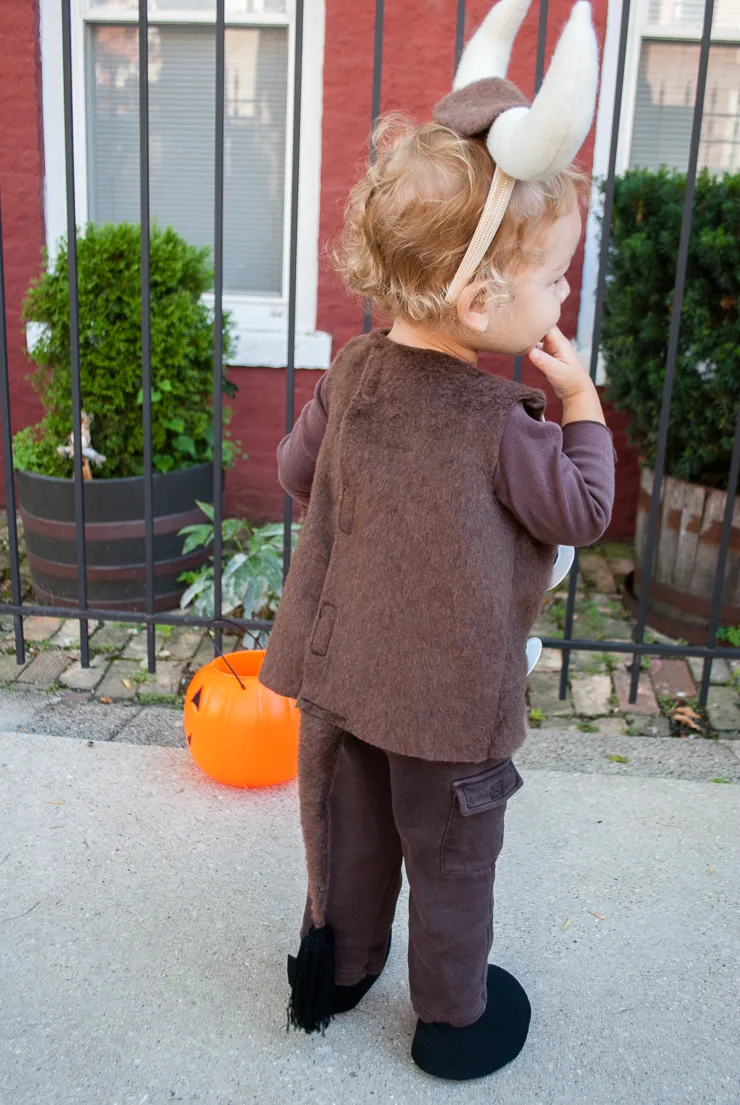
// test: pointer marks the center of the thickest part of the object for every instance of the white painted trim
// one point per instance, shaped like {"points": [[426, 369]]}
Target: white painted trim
{"points": [[602, 145], [269, 349], [255, 348], [261, 320]]}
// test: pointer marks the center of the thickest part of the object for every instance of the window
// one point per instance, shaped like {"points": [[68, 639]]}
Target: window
{"points": [[665, 88], [661, 69], [259, 49], [181, 96]]}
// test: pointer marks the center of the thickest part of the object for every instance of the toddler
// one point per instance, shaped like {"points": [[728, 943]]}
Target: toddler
{"points": [[436, 495]]}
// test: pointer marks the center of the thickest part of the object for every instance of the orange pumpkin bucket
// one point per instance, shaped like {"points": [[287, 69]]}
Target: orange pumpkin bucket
{"points": [[238, 731]]}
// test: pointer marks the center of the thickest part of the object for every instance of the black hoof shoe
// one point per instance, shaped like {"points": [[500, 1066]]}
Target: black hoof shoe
{"points": [[481, 1048]]}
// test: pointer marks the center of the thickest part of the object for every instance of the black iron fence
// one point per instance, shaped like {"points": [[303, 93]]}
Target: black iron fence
{"points": [[638, 647]]}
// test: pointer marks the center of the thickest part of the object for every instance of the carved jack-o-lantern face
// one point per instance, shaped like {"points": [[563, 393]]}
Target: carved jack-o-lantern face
{"points": [[238, 731]]}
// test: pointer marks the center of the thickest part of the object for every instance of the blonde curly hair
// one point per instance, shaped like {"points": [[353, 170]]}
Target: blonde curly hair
{"points": [[410, 218]]}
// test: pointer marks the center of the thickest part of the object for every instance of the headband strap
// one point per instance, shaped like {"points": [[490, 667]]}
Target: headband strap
{"points": [[494, 210]]}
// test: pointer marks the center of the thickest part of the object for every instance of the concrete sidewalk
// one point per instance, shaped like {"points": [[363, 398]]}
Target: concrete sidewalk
{"points": [[146, 912]]}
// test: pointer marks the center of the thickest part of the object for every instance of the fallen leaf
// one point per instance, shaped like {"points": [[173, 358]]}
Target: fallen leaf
{"points": [[684, 711], [711, 870], [617, 759], [128, 684], [684, 715], [106, 700], [599, 915], [55, 803], [567, 925]]}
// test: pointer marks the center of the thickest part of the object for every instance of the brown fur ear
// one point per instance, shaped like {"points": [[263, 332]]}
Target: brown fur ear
{"points": [[472, 110]]}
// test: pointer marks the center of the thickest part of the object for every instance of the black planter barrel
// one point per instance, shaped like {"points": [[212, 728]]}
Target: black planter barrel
{"points": [[114, 537]]}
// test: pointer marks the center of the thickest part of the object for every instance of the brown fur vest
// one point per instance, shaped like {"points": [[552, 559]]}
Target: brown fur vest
{"points": [[412, 590]]}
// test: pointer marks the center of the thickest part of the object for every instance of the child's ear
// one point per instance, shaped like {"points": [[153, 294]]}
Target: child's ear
{"points": [[472, 307]]}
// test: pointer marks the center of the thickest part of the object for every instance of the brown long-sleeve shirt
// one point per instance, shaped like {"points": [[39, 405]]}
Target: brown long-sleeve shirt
{"points": [[558, 483]]}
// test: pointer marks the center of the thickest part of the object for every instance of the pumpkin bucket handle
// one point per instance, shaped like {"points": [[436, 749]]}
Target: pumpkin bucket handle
{"points": [[217, 651]]}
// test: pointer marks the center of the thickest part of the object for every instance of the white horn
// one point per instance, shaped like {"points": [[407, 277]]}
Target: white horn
{"points": [[537, 142], [488, 52]]}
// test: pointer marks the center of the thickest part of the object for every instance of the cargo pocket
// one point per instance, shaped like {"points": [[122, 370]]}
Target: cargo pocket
{"points": [[475, 829], [323, 629]]}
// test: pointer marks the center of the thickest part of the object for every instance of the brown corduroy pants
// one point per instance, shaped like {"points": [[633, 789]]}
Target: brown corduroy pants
{"points": [[445, 821]]}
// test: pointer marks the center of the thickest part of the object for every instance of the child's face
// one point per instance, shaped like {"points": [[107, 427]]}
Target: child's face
{"points": [[537, 295]]}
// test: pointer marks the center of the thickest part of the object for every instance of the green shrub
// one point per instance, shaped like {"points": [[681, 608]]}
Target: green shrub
{"points": [[637, 312], [110, 354]]}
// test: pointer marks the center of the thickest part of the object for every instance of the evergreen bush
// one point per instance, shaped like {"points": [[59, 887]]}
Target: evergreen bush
{"points": [[182, 327], [637, 312]]}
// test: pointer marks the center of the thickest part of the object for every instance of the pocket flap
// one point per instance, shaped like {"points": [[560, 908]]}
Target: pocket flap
{"points": [[490, 788], [323, 630]]}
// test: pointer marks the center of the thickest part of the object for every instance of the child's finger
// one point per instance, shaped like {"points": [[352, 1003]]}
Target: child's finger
{"points": [[542, 360], [556, 343]]}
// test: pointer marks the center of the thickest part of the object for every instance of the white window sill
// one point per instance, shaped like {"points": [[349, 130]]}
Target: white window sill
{"points": [[256, 348], [269, 349]]}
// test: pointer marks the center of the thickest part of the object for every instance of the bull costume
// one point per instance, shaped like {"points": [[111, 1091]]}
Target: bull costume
{"points": [[403, 627]]}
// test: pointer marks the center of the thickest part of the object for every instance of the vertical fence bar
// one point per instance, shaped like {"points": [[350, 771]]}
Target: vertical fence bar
{"points": [[539, 72], [724, 546], [606, 226], [670, 372], [74, 332], [459, 31], [218, 313], [15, 575], [367, 321], [293, 272], [146, 338]]}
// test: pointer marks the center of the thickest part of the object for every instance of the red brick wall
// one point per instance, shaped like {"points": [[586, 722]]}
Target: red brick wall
{"points": [[21, 186], [414, 77]]}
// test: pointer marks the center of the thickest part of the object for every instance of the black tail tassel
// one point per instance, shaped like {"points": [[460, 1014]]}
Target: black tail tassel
{"points": [[312, 981]]}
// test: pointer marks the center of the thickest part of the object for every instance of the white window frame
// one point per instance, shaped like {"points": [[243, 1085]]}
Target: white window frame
{"points": [[261, 320], [639, 29]]}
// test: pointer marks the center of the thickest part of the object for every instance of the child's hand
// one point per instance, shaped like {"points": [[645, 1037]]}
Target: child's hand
{"points": [[557, 361]]}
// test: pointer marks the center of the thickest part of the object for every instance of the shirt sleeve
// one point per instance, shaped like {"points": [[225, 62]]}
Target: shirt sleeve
{"points": [[298, 451], [558, 483]]}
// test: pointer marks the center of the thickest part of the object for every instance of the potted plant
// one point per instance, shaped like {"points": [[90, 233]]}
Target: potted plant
{"points": [[112, 433], [706, 394]]}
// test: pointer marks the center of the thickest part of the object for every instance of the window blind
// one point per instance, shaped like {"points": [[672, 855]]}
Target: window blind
{"points": [[233, 8], [664, 107], [182, 136]]}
